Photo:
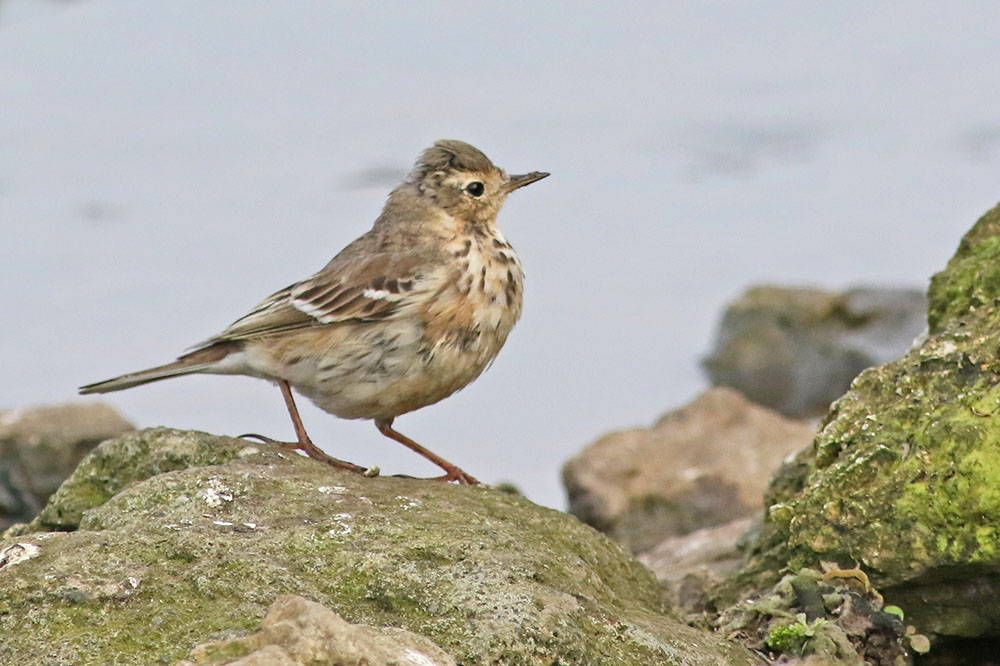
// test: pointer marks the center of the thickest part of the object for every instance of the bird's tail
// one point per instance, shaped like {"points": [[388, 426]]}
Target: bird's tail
{"points": [[199, 360]]}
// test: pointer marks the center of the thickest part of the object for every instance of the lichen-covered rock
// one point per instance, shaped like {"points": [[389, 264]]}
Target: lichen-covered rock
{"points": [[40, 447], [173, 556], [796, 349], [904, 476], [698, 466], [299, 632], [125, 460]]}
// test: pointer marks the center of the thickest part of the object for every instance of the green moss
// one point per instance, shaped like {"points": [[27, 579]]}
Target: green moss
{"points": [[972, 278], [792, 636], [120, 462]]}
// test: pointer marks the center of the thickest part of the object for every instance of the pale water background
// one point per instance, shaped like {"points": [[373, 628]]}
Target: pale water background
{"points": [[165, 165]]}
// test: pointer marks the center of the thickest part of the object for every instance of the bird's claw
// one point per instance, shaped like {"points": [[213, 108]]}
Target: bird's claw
{"points": [[456, 474], [263, 438]]}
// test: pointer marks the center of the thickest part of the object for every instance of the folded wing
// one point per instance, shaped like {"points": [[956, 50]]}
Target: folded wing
{"points": [[369, 289]]}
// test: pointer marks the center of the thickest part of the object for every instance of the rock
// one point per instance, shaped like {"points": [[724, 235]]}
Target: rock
{"points": [[904, 475], [40, 447], [828, 616], [796, 350], [299, 632], [130, 459], [688, 566], [189, 548], [701, 465]]}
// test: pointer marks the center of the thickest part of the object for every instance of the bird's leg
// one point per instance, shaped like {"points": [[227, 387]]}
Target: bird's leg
{"points": [[305, 444], [453, 473]]}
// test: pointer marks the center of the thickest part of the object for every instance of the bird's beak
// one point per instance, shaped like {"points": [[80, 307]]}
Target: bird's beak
{"points": [[515, 182]]}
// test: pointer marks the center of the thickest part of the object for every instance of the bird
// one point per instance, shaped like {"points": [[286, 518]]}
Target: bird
{"points": [[404, 316]]}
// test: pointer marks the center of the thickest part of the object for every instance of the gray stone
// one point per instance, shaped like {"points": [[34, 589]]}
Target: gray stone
{"points": [[40, 447], [796, 350], [688, 566], [701, 465]]}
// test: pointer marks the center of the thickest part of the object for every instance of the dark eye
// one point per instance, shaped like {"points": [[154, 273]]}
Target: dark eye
{"points": [[475, 188]]}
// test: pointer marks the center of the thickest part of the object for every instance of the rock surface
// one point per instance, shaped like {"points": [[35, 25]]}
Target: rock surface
{"points": [[904, 476], [40, 447], [299, 632], [179, 538], [688, 566], [701, 465], [796, 350]]}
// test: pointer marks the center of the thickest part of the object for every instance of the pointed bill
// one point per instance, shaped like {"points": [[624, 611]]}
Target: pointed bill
{"points": [[515, 182]]}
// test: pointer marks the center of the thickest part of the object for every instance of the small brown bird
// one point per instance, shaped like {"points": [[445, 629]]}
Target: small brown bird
{"points": [[407, 314]]}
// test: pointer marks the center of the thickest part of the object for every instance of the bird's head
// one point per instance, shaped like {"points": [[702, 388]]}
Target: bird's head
{"points": [[460, 179]]}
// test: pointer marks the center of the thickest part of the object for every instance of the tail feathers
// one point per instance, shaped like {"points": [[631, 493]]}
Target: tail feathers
{"points": [[197, 361]]}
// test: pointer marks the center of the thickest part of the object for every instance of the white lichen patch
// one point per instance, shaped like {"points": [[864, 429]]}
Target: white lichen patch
{"points": [[116, 590], [332, 490], [408, 502], [216, 494], [341, 526], [17, 553], [184, 522]]}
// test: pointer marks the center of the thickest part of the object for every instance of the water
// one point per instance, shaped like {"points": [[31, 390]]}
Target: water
{"points": [[164, 166]]}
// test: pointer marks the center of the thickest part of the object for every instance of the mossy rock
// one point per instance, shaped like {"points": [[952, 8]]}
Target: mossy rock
{"points": [[181, 538], [904, 475], [126, 460]]}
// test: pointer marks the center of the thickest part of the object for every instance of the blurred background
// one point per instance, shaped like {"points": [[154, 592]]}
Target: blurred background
{"points": [[165, 166]]}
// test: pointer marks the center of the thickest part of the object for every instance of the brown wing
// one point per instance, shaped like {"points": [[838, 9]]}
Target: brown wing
{"points": [[366, 289]]}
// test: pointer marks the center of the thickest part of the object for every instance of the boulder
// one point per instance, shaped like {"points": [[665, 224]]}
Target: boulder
{"points": [[796, 350], [40, 447], [171, 540], [903, 478], [698, 466]]}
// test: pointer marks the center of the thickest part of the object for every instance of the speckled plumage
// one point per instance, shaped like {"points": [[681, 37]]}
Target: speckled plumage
{"points": [[404, 316]]}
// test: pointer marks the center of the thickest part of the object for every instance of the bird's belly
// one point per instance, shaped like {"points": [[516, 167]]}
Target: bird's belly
{"points": [[439, 341], [378, 370]]}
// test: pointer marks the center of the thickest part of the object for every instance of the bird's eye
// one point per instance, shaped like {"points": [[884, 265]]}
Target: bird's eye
{"points": [[475, 188]]}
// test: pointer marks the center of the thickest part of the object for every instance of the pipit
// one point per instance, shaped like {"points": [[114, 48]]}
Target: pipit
{"points": [[404, 316]]}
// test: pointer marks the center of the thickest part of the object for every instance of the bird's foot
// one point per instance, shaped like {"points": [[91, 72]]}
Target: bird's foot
{"points": [[452, 473], [456, 474], [267, 440]]}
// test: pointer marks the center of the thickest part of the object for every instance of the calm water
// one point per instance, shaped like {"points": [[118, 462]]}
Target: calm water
{"points": [[164, 166]]}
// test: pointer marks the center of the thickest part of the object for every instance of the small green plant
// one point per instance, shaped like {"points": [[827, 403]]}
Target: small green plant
{"points": [[792, 637], [894, 610]]}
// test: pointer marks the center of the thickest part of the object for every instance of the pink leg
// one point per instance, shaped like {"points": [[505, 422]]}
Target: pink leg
{"points": [[305, 444], [453, 473]]}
